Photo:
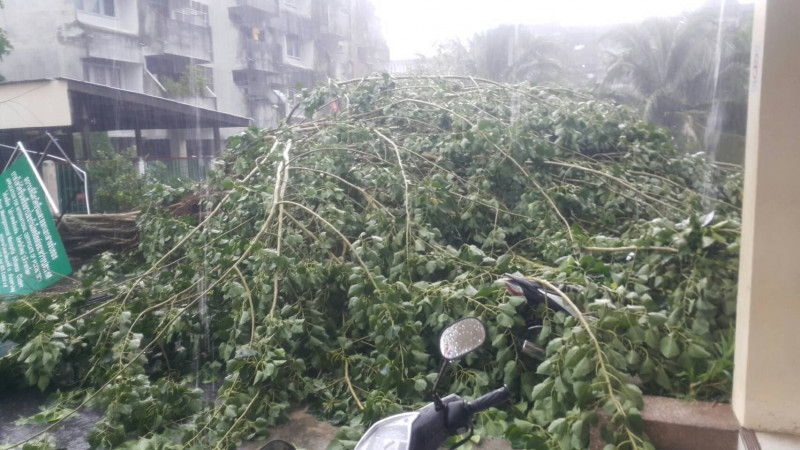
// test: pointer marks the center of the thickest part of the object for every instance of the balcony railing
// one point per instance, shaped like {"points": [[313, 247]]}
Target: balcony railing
{"points": [[268, 6], [176, 37]]}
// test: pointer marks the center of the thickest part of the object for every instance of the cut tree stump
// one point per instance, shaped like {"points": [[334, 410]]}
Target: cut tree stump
{"points": [[85, 236]]}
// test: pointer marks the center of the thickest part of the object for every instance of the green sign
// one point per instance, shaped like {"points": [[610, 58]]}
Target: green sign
{"points": [[32, 256]]}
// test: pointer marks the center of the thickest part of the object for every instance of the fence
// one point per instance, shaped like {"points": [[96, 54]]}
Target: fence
{"points": [[165, 170]]}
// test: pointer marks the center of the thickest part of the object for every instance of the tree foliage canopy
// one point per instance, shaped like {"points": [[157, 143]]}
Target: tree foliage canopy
{"points": [[674, 70], [508, 53], [325, 257], [5, 45], [688, 73]]}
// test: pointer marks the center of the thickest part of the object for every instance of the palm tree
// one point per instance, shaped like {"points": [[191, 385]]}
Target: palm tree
{"points": [[507, 53], [676, 71], [452, 58], [5, 45], [662, 66], [512, 53]]}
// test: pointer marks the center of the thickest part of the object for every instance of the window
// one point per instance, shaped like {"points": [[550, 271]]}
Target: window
{"points": [[290, 4], [293, 47], [101, 7], [105, 73]]}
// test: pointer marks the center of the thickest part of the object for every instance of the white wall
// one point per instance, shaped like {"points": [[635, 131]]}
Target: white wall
{"points": [[132, 77], [35, 27], [34, 104], [226, 46], [307, 55]]}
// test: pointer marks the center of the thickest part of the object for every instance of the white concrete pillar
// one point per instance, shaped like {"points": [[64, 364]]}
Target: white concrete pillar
{"points": [[177, 143], [766, 391], [177, 149], [50, 179], [141, 166]]}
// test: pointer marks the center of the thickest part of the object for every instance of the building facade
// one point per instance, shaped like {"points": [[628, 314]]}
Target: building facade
{"points": [[244, 57]]}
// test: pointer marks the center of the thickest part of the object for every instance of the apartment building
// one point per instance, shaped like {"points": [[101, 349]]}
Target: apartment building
{"points": [[242, 57]]}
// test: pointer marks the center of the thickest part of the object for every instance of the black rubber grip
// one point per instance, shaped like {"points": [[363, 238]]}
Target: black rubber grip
{"points": [[492, 399]]}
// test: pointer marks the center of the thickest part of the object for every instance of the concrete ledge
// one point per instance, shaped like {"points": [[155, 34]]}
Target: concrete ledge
{"points": [[674, 424], [670, 423]]}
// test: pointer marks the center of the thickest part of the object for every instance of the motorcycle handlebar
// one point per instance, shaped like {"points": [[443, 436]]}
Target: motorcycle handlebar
{"points": [[492, 399]]}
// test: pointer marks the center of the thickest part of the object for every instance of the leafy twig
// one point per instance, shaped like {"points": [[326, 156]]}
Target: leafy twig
{"points": [[405, 186], [600, 355], [350, 384], [630, 249]]}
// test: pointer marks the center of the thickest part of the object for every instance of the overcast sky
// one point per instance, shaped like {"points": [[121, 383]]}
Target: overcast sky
{"points": [[414, 27]]}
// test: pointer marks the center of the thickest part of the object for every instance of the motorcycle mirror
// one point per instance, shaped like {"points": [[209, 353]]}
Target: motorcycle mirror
{"points": [[278, 444], [461, 338]]}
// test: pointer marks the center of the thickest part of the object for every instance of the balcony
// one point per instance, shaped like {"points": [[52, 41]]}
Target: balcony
{"points": [[292, 78], [262, 56], [104, 44], [253, 13], [292, 24], [180, 38], [335, 25], [255, 84], [259, 85]]}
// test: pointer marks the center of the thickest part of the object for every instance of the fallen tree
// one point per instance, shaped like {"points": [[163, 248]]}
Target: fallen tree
{"points": [[85, 236], [88, 235], [321, 263]]}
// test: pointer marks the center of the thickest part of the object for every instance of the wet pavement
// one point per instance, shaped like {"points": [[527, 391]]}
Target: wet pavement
{"points": [[70, 435], [304, 430]]}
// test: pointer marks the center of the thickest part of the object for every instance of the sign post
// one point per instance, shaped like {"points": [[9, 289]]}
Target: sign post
{"points": [[32, 255]]}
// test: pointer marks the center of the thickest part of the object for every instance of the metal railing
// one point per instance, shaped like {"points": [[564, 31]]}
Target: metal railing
{"points": [[72, 194], [166, 170]]}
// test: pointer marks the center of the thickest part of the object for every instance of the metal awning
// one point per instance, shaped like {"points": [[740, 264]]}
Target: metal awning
{"points": [[72, 105]]}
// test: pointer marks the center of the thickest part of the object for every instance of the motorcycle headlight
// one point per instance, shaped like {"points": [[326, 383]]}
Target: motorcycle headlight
{"points": [[392, 433]]}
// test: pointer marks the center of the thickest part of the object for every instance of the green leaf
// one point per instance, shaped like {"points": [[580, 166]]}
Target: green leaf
{"points": [[420, 385], [509, 370], [542, 389], [505, 320], [516, 300], [584, 367], [663, 379], [507, 309], [651, 338], [698, 352], [557, 426], [430, 266], [503, 262], [657, 318], [545, 368], [44, 381], [669, 347]]}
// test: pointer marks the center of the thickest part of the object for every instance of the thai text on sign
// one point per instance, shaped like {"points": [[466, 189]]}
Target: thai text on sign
{"points": [[32, 256]]}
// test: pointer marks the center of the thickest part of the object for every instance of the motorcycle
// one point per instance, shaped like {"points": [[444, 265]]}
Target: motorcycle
{"points": [[279, 444], [434, 424], [430, 427]]}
